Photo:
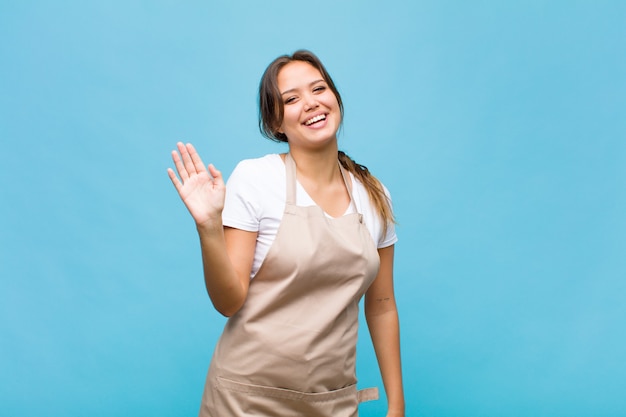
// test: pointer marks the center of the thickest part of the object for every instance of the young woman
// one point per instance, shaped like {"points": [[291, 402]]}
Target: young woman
{"points": [[289, 248]]}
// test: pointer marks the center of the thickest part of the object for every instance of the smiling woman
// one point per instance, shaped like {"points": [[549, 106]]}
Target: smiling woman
{"points": [[289, 247]]}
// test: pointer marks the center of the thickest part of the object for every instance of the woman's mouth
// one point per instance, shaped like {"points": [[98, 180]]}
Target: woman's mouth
{"points": [[315, 119]]}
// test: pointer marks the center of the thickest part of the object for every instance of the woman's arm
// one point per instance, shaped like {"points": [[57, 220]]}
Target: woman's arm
{"points": [[227, 256], [382, 319], [227, 253]]}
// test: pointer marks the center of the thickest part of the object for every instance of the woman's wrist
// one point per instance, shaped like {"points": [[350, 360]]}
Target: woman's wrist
{"points": [[210, 226], [395, 407], [395, 413]]}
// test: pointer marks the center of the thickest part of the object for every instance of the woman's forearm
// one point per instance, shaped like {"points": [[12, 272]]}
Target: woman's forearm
{"points": [[385, 333]]}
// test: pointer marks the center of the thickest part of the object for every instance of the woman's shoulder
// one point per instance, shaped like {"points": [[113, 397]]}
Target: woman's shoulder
{"points": [[265, 160], [261, 174], [256, 166], [370, 214], [361, 187]]}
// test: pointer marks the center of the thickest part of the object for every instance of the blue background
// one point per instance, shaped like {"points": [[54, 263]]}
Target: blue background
{"points": [[498, 126]]}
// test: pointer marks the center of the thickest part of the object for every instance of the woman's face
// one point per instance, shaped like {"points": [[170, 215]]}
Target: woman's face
{"points": [[311, 111]]}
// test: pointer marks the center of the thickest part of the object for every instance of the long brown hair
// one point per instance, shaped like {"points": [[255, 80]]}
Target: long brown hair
{"points": [[271, 113]]}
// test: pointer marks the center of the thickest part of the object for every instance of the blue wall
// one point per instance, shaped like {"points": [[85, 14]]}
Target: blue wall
{"points": [[498, 126]]}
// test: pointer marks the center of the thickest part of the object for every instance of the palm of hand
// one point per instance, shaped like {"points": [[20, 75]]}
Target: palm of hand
{"points": [[203, 191], [203, 196]]}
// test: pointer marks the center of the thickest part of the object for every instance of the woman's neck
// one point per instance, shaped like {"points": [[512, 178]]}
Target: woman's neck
{"points": [[319, 167]]}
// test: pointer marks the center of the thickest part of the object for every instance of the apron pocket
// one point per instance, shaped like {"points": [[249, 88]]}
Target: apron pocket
{"points": [[234, 398]]}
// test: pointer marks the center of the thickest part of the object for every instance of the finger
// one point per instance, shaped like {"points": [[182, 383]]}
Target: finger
{"points": [[187, 162], [195, 158], [180, 168], [216, 174], [177, 184]]}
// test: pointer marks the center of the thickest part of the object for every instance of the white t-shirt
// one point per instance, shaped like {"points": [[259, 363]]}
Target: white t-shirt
{"points": [[255, 202]]}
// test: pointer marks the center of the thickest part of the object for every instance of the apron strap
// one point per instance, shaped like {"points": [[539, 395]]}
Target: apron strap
{"points": [[290, 172], [367, 394], [347, 180]]}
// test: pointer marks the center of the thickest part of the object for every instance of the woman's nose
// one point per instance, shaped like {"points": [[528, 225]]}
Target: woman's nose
{"points": [[310, 102]]}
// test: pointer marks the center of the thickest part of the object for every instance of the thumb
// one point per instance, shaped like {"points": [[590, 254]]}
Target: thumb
{"points": [[215, 173]]}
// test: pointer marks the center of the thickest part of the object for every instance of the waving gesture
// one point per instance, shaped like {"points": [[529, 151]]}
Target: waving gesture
{"points": [[201, 190]]}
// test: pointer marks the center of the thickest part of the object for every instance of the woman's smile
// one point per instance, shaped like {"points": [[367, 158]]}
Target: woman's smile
{"points": [[314, 121]]}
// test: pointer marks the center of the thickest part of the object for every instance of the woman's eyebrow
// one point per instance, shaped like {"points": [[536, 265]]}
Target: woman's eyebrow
{"points": [[291, 90]]}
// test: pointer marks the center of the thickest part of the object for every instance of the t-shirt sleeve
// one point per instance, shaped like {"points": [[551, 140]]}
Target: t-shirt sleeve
{"points": [[390, 237], [241, 207]]}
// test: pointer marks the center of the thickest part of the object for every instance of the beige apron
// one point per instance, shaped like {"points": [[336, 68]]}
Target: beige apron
{"points": [[291, 349]]}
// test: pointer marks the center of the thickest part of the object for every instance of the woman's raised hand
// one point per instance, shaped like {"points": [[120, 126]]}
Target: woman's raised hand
{"points": [[201, 190]]}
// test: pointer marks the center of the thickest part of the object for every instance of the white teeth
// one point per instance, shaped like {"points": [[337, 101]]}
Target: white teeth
{"points": [[315, 119]]}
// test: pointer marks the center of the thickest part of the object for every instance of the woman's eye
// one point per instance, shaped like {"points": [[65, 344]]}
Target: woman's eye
{"points": [[319, 89], [290, 100]]}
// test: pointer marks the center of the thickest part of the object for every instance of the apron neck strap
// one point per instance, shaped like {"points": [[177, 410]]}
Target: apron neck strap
{"points": [[290, 170]]}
